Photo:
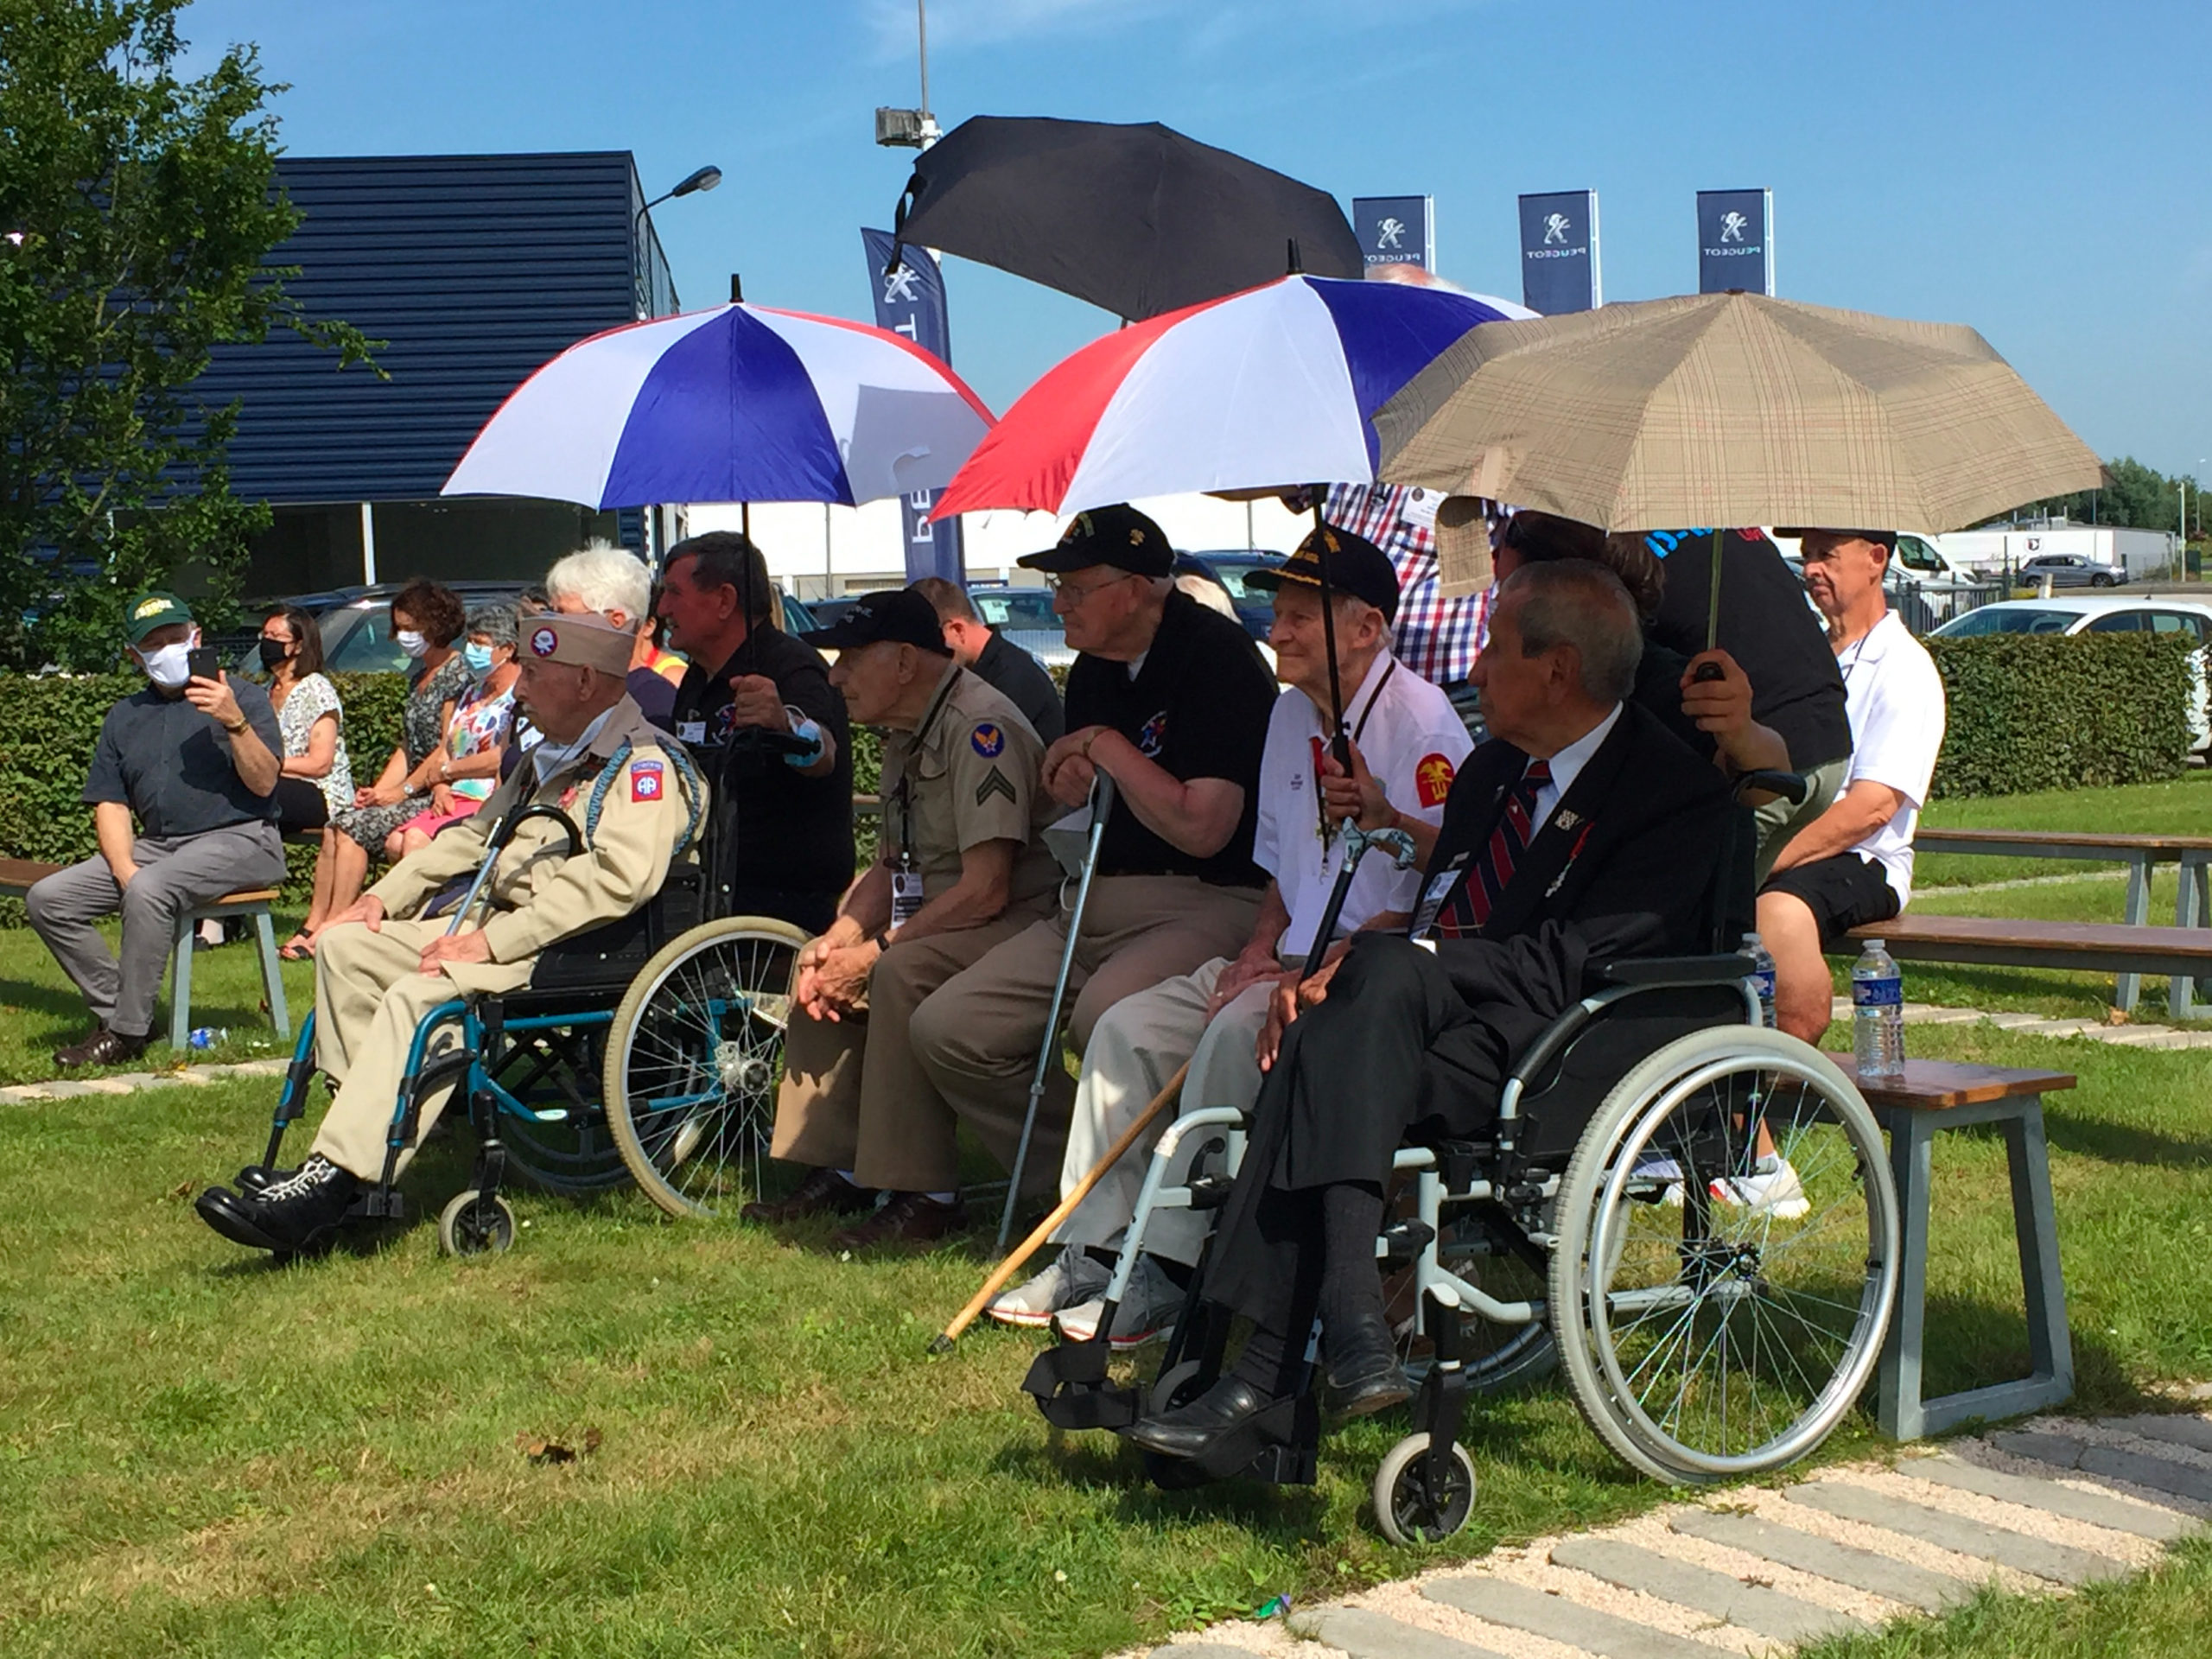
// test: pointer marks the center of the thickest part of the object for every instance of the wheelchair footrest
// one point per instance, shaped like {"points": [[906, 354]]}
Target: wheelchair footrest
{"points": [[1401, 1242], [1210, 1191], [1069, 1385], [378, 1204], [1280, 1446]]}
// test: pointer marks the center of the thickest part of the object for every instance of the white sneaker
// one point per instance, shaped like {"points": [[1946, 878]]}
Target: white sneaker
{"points": [[1771, 1189], [1657, 1166], [1148, 1311], [1074, 1277]]}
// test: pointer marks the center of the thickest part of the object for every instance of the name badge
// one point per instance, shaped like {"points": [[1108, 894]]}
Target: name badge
{"points": [[691, 731], [906, 896], [1420, 507], [1432, 901]]}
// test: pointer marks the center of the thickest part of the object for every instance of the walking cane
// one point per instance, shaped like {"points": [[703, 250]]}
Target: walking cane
{"points": [[1102, 804], [942, 1343]]}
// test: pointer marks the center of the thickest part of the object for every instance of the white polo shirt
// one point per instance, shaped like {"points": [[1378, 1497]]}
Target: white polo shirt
{"points": [[1412, 742], [1894, 699]]}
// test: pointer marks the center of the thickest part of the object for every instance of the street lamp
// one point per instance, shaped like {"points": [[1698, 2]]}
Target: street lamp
{"points": [[705, 179]]}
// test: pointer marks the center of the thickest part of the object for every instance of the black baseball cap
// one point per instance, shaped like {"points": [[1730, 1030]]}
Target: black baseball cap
{"points": [[1355, 565], [1119, 536], [896, 615]]}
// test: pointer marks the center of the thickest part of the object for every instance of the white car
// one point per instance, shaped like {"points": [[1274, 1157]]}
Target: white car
{"points": [[2081, 612]]}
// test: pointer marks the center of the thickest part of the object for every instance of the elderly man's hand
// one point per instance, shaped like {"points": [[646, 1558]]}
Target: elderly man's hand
{"points": [[756, 702], [367, 908], [216, 699], [1356, 794], [1068, 770], [455, 947], [1247, 970], [1294, 994]]}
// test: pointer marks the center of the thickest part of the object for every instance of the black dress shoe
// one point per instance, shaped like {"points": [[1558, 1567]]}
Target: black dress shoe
{"points": [[254, 1177], [103, 1047], [1364, 1375], [232, 1218], [287, 1216], [824, 1192], [1189, 1430]]}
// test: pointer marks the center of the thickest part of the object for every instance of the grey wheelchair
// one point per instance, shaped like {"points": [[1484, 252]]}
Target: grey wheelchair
{"points": [[1613, 1225]]}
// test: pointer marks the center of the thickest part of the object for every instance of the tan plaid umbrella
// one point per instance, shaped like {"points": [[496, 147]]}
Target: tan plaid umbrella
{"points": [[1733, 409]]}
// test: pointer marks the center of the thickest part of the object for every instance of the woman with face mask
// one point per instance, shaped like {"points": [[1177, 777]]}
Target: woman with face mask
{"points": [[317, 779], [427, 621], [482, 724]]}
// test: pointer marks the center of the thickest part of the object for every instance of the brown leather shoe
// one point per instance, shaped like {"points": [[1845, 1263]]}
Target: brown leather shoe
{"points": [[910, 1218], [103, 1047], [824, 1192]]}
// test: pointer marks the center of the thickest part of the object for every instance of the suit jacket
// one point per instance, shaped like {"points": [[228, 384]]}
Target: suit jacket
{"points": [[1625, 865]]}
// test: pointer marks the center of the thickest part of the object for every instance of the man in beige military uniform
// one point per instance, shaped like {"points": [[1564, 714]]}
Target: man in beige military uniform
{"points": [[381, 965], [961, 869]]}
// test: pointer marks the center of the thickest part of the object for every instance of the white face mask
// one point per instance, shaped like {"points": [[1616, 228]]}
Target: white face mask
{"points": [[411, 641], [168, 667]]}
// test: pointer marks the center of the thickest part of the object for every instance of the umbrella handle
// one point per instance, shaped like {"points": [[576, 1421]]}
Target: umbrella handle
{"points": [[1708, 672]]}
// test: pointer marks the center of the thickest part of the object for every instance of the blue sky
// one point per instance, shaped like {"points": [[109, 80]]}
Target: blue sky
{"points": [[2038, 171]]}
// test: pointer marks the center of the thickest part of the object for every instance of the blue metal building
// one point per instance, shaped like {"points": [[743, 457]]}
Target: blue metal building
{"points": [[474, 270]]}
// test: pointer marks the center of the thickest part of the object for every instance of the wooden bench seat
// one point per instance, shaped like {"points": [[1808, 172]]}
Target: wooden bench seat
{"points": [[2183, 954], [1938, 1094]]}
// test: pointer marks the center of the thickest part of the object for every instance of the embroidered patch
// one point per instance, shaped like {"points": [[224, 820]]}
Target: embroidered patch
{"points": [[1564, 819], [645, 780], [543, 641], [1431, 780], [986, 741], [995, 783], [1152, 736]]}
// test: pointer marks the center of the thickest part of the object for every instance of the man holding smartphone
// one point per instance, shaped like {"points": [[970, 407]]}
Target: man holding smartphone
{"points": [[194, 758]]}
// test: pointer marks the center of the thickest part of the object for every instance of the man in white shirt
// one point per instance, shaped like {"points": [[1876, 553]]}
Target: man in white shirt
{"points": [[1412, 740], [1853, 865]]}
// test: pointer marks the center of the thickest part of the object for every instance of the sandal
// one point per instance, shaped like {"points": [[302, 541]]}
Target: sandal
{"points": [[298, 948]]}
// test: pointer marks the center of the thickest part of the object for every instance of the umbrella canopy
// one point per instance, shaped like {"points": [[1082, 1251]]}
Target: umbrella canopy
{"points": [[738, 404], [1139, 219], [1733, 409], [1272, 387]]}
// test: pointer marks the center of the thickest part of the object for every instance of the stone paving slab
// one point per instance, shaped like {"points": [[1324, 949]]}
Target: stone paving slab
{"points": [[1203, 1650], [2061, 1563], [2136, 1469], [2192, 1432], [129, 1083], [1517, 1607], [2114, 1514], [1862, 1569], [1751, 1606], [1366, 1634]]}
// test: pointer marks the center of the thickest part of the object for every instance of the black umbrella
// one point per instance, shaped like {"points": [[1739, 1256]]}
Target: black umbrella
{"points": [[1137, 220]]}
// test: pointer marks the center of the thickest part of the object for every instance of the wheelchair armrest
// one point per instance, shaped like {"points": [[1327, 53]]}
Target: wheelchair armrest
{"points": [[1673, 970]]}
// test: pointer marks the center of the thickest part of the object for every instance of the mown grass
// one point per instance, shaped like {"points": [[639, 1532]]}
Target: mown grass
{"points": [[199, 1454]]}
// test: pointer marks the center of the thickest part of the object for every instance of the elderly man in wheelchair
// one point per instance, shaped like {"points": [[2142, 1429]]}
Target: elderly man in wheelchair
{"points": [[1567, 1102], [579, 839]]}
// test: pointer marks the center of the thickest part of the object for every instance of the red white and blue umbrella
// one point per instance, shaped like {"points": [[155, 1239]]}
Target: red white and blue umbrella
{"points": [[741, 403], [1278, 384]]}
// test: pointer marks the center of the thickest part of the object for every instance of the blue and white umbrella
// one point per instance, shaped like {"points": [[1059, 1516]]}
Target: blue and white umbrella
{"points": [[742, 402]]}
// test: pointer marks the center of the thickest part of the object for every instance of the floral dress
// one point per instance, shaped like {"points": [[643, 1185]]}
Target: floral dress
{"points": [[305, 704], [420, 734]]}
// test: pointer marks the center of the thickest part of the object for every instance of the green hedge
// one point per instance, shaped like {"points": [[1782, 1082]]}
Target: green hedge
{"points": [[2047, 711]]}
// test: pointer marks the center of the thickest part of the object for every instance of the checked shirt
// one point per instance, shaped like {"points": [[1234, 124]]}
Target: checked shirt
{"points": [[1438, 639]]}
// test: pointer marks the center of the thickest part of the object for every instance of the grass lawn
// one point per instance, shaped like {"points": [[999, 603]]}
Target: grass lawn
{"points": [[199, 1454]]}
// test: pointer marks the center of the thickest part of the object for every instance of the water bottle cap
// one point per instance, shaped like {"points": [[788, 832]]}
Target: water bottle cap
{"points": [[1876, 944]]}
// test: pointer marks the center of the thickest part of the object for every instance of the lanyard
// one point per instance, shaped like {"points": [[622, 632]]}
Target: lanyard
{"points": [[904, 796], [1320, 803]]}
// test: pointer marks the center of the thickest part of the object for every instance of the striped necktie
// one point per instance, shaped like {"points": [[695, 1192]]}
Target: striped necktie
{"points": [[1479, 892]]}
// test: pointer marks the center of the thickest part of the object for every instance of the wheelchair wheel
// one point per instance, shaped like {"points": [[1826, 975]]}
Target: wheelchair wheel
{"points": [[474, 1225], [693, 1060], [1405, 1510], [1709, 1330]]}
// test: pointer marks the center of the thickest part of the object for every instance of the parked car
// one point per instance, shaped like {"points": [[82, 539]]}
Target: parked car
{"points": [[2069, 570], [2114, 614], [1227, 569], [1025, 617]]}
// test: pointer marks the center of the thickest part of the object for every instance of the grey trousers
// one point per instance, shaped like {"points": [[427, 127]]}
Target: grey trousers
{"points": [[174, 872], [1779, 821]]}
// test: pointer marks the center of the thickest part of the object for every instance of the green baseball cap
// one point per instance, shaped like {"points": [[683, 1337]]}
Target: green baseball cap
{"points": [[155, 610]]}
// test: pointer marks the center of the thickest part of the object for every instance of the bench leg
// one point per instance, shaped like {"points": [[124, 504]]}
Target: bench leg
{"points": [[2191, 909], [2125, 990], [2035, 1217], [1898, 1408], [187, 930], [272, 974]]}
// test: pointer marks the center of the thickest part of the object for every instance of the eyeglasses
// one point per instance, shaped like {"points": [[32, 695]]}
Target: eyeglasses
{"points": [[1060, 584]]}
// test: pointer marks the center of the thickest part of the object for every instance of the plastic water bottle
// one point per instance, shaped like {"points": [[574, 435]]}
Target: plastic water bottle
{"points": [[207, 1036], [1762, 976], [1877, 1014]]}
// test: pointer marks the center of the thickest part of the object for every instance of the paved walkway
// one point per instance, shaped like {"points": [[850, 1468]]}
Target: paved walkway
{"points": [[2040, 1508], [128, 1083]]}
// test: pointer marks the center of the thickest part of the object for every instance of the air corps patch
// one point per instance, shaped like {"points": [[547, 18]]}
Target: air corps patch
{"points": [[1431, 780], [995, 783], [645, 780], [987, 740]]}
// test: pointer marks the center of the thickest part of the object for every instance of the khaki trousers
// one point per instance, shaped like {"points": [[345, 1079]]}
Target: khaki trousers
{"points": [[370, 994], [977, 1036], [855, 1098], [1779, 821], [1134, 1051]]}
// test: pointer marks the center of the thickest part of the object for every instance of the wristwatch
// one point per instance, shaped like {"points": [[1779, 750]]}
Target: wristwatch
{"points": [[241, 726]]}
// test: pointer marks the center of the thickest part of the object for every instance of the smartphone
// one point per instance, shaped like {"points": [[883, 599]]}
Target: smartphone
{"points": [[202, 663]]}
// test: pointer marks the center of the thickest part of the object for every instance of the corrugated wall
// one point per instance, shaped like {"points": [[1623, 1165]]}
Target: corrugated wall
{"points": [[476, 269]]}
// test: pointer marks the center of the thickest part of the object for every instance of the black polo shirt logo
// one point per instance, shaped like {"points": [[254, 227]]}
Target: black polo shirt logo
{"points": [[1152, 736]]}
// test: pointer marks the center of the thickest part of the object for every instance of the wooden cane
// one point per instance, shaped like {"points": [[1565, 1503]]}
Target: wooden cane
{"points": [[942, 1343]]}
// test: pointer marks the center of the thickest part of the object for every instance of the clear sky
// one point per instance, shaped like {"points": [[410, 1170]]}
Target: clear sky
{"points": [[2037, 170]]}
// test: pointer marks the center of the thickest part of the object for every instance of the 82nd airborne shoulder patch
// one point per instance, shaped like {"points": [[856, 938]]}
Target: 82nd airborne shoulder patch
{"points": [[646, 777]]}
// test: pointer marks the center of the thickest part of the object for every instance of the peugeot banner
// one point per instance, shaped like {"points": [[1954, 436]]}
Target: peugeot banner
{"points": [[1735, 241], [1558, 253], [909, 301], [1396, 230]]}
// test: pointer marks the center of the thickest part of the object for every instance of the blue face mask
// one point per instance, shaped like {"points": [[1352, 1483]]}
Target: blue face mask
{"points": [[479, 657]]}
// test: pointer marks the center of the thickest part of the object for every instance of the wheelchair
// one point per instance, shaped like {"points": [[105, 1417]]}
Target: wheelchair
{"points": [[1598, 1228], [647, 1051]]}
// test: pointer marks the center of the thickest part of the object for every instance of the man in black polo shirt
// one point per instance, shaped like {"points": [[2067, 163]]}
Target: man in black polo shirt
{"points": [[783, 828], [1008, 670], [1171, 701]]}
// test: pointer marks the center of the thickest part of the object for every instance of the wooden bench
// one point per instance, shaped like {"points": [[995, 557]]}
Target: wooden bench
{"points": [[2116, 948], [1935, 1096], [18, 875], [2140, 853]]}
